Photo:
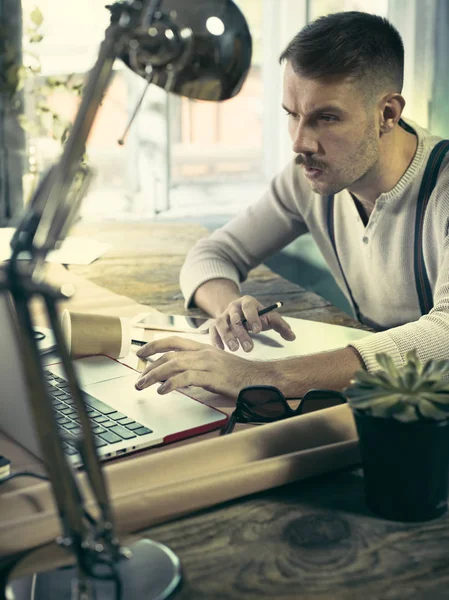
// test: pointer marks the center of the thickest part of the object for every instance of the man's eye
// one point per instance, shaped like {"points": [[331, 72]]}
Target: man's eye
{"points": [[328, 118]]}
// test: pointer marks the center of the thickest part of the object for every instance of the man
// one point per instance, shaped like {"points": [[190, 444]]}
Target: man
{"points": [[354, 184]]}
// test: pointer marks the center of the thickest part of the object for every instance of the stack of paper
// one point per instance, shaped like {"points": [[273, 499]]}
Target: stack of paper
{"points": [[73, 250]]}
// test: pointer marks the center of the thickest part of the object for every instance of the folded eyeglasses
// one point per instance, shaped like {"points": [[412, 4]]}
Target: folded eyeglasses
{"points": [[266, 404]]}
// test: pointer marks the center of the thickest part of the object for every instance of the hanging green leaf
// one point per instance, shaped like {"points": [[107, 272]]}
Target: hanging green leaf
{"points": [[37, 17], [35, 38], [29, 126]]}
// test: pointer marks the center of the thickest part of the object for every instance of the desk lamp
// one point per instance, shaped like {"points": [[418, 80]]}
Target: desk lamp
{"points": [[199, 49]]}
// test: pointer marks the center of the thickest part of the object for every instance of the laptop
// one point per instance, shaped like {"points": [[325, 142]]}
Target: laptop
{"points": [[124, 420]]}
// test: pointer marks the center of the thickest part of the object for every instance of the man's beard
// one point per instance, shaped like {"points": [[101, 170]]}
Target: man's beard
{"points": [[342, 176]]}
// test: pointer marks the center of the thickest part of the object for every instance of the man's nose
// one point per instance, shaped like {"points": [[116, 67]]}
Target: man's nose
{"points": [[304, 141]]}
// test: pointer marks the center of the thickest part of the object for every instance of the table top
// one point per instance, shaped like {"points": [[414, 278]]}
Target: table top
{"points": [[144, 261], [310, 539]]}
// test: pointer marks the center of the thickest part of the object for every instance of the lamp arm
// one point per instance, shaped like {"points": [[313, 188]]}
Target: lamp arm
{"points": [[46, 219], [64, 485], [86, 445], [178, 59], [149, 10]]}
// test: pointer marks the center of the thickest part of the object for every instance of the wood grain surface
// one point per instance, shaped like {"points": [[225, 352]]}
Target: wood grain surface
{"points": [[144, 261], [312, 540]]}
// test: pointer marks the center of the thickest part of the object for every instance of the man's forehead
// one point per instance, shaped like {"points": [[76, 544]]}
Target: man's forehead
{"points": [[310, 94]]}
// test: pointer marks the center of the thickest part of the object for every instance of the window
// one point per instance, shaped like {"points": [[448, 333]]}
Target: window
{"points": [[216, 141], [177, 148], [174, 142]]}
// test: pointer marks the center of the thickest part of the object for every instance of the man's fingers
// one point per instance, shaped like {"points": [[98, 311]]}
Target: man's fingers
{"points": [[159, 371], [215, 337], [288, 334], [182, 380], [173, 363], [224, 330], [229, 326], [172, 376], [251, 314], [278, 324], [239, 332], [212, 369], [167, 344], [151, 366]]}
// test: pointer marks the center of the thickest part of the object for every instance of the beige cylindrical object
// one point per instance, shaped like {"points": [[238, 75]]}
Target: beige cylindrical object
{"points": [[89, 334]]}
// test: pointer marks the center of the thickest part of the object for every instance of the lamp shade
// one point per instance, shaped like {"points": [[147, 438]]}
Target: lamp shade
{"points": [[197, 48]]}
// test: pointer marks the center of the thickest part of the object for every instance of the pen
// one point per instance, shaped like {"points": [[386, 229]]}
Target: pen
{"points": [[262, 311], [266, 310]]}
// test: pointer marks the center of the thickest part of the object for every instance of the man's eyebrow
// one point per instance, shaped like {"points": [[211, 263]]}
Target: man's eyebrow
{"points": [[321, 109]]}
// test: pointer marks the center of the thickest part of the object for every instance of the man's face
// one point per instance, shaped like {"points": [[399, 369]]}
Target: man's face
{"points": [[334, 134]]}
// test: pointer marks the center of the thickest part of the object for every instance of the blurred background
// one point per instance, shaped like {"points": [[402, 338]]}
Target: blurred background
{"points": [[183, 159]]}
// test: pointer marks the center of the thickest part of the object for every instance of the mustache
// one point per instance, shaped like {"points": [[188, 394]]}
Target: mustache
{"points": [[311, 164]]}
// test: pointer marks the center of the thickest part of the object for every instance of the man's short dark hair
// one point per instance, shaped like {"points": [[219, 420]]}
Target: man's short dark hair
{"points": [[353, 44]]}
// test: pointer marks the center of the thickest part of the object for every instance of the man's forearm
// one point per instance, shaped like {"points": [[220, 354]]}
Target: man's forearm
{"points": [[331, 370], [214, 296]]}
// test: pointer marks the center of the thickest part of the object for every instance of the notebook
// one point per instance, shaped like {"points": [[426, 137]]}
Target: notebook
{"points": [[124, 420], [311, 337]]}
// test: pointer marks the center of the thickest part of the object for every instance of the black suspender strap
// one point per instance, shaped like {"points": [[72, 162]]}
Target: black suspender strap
{"points": [[331, 232], [428, 183]]}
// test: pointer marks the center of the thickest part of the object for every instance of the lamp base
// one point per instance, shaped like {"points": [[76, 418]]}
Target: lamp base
{"points": [[153, 573]]}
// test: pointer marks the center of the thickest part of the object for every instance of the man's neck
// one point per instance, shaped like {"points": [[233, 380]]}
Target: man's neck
{"points": [[397, 152]]}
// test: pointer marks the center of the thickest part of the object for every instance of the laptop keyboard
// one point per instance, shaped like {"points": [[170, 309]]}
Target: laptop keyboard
{"points": [[108, 425]]}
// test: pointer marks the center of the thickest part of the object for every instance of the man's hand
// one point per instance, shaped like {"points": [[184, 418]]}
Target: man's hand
{"points": [[186, 362], [191, 363], [229, 330]]}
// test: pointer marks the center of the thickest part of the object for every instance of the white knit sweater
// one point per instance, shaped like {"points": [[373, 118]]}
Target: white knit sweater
{"points": [[377, 259]]}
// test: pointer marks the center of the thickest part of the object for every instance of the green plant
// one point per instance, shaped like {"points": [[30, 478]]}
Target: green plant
{"points": [[46, 120], [18, 73], [28, 107], [14, 72], [412, 392]]}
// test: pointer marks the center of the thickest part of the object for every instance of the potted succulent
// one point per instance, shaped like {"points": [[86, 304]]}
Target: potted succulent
{"points": [[402, 419]]}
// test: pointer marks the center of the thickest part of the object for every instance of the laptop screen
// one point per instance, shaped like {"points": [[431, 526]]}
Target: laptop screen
{"points": [[15, 412]]}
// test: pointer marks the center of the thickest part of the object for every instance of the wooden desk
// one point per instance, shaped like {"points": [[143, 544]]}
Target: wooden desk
{"points": [[314, 539], [145, 259]]}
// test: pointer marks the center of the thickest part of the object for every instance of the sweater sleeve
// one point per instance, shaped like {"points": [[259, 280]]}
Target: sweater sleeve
{"points": [[429, 335], [249, 238]]}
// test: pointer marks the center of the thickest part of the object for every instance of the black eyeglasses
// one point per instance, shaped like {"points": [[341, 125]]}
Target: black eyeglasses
{"points": [[265, 404]]}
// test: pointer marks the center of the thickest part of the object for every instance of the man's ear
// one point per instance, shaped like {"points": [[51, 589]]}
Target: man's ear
{"points": [[391, 111]]}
